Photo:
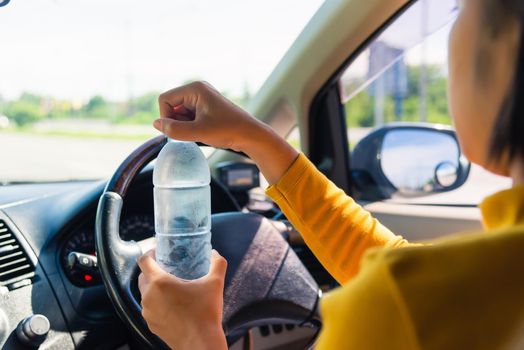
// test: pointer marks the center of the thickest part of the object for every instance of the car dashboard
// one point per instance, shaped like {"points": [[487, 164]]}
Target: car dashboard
{"points": [[55, 272]]}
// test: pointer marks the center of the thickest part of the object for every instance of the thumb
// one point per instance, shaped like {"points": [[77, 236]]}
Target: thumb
{"points": [[149, 266], [176, 129], [218, 265]]}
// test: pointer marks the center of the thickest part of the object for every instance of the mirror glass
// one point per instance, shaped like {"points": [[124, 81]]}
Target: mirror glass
{"points": [[446, 174], [419, 160]]}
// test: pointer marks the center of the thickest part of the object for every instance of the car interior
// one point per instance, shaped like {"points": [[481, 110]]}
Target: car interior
{"points": [[68, 249]]}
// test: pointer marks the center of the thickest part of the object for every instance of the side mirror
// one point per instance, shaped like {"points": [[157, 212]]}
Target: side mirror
{"points": [[4, 2], [408, 160]]}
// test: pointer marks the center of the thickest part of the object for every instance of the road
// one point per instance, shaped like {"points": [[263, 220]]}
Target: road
{"points": [[27, 157]]}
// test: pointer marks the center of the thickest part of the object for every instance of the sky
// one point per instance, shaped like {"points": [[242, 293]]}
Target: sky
{"points": [[74, 49]]}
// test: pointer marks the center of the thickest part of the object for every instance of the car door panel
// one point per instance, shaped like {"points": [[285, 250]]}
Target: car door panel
{"points": [[425, 222]]}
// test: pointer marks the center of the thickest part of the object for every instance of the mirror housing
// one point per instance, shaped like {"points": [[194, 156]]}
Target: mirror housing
{"points": [[408, 160], [4, 2]]}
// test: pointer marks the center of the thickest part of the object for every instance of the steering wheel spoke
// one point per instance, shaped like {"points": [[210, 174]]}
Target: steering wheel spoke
{"points": [[147, 244]]}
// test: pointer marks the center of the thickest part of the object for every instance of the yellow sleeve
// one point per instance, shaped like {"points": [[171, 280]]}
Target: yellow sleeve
{"points": [[333, 225]]}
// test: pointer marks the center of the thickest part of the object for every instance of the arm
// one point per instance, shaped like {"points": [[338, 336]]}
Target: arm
{"points": [[333, 225]]}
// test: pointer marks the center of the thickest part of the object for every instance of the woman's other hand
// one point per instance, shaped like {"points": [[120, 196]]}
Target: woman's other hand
{"points": [[184, 314]]}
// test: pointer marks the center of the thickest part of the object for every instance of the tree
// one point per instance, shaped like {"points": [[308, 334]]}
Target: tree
{"points": [[147, 103], [359, 110], [23, 112], [97, 107], [31, 98], [60, 110]]}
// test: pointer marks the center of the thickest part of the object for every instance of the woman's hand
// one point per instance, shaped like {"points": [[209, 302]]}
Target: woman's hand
{"points": [[197, 112], [184, 314]]}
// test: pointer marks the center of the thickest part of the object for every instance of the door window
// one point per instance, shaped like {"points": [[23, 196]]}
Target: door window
{"points": [[402, 77]]}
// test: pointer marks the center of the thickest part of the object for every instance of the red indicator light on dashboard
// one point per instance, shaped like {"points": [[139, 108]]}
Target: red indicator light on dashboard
{"points": [[88, 278]]}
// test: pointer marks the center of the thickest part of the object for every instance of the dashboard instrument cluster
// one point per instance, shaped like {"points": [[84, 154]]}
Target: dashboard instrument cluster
{"points": [[78, 254]]}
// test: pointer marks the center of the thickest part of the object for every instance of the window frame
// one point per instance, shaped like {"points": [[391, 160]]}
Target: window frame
{"points": [[328, 143]]}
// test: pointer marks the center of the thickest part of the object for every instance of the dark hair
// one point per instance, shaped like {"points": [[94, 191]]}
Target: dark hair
{"points": [[507, 139]]}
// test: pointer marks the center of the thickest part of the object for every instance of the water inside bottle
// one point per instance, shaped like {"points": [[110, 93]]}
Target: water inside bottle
{"points": [[185, 256]]}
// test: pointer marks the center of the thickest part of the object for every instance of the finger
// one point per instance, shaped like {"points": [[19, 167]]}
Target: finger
{"points": [[176, 129], [164, 108], [169, 100], [142, 283], [182, 95], [148, 266], [151, 253], [178, 113], [182, 117], [183, 111], [218, 264]]}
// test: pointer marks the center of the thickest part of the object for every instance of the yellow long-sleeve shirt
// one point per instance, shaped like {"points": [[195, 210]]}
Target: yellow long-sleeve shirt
{"points": [[461, 292]]}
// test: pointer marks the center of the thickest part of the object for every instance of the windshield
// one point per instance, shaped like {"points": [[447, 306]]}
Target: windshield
{"points": [[80, 79]]}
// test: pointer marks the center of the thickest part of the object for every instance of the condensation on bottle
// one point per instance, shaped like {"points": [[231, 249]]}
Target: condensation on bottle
{"points": [[182, 201]]}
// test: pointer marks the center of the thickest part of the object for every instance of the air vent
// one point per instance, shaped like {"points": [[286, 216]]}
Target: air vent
{"points": [[15, 264]]}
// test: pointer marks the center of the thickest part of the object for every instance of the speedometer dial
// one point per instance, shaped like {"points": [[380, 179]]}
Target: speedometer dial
{"points": [[132, 227], [83, 241], [137, 227]]}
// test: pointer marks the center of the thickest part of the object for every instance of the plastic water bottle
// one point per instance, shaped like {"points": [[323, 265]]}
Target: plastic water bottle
{"points": [[182, 210]]}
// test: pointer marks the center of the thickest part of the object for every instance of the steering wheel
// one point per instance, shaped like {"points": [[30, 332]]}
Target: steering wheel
{"points": [[265, 281]]}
